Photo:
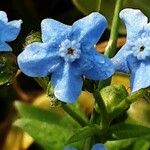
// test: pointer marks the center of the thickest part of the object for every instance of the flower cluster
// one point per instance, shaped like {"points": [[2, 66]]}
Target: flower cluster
{"points": [[67, 53]]}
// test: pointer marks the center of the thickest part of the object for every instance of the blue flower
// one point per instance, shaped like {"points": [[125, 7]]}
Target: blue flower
{"points": [[134, 56], [95, 147], [8, 31], [67, 53], [98, 147]]}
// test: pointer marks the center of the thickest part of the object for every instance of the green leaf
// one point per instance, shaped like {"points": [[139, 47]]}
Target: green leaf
{"points": [[32, 112], [120, 144], [87, 6], [129, 144], [8, 67], [49, 116], [50, 128], [84, 133], [126, 131], [143, 144], [50, 136]]}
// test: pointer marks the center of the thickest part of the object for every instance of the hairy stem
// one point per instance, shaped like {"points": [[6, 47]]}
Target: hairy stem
{"points": [[104, 123], [110, 50], [74, 115]]}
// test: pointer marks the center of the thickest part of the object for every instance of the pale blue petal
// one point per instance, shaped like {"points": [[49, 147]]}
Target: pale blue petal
{"points": [[146, 30], [89, 29], [11, 31], [140, 74], [98, 147], [66, 83], [100, 67], [38, 60], [3, 16], [4, 47], [120, 59], [134, 21], [53, 30]]}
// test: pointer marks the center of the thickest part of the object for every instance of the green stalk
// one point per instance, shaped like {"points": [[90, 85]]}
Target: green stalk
{"points": [[74, 115], [104, 123], [87, 144], [43, 82], [110, 50], [125, 104]]}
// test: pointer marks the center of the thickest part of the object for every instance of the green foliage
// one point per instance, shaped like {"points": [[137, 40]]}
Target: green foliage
{"points": [[50, 136], [143, 144], [48, 128], [32, 112], [107, 7], [130, 144], [128, 131], [128, 136], [84, 133], [8, 67], [87, 6], [143, 5]]}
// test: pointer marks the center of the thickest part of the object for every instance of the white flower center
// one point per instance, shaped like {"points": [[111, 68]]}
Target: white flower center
{"points": [[70, 50], [141, 48]]}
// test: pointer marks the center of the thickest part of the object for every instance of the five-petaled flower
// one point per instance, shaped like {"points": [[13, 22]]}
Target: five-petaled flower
{"points": [[8, 31], [67, 53], [134, 56]]}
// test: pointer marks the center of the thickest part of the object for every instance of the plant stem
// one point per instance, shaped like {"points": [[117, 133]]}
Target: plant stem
{"points": [[125, 104], [74, 115], [43, 82], [104, 83], [112, 43], [104, 115], [87, 144], [110, 50]]}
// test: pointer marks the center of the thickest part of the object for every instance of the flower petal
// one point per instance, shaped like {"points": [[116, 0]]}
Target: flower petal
{"points": [[100, 67], [10, 31], [120, 59], [67, 84], [140, 74], [135, 21], [53, 30], [98, 147], [38, 60], [4, 47], [3, 16], [89, 29]]}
